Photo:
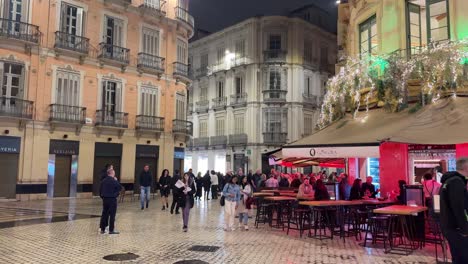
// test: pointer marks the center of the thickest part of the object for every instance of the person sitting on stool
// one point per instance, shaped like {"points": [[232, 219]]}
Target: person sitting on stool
{"points": [[109, 191]]}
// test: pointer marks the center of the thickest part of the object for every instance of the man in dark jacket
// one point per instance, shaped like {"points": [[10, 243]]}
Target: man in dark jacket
{"points": [[146, 182], [109, 191], [454, 211], [369, 188], [103, 173], [175, 192]]}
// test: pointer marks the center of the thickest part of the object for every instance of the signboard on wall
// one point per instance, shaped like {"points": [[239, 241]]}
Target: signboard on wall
{"points": [[147, 151], [64, 147], [179, 153], [332, 152], [10, 144]]}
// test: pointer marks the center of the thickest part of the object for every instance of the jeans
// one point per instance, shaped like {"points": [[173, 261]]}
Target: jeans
{"points": [[457, 244], [229, 214], [145, 194], [109, 209], [243, 218], [186, 212], [214, 191]]}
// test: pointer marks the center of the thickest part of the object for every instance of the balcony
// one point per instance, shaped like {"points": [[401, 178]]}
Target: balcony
{"points": [[20, 31], [67, 114], [274, 56], [183, 15], [238, 140], [275, 138], [239, 61], [239, 100], [15, 108], [219, 103], [310, 101], [181, 71], [182, 127], [217, 68], [202, 106], [149, 123], [274, 96], [71, 43], [202, 142], [150, 63], [152, 7], [201, 72], [111, 119], [114, 55], [124, 3], [218, 141]]}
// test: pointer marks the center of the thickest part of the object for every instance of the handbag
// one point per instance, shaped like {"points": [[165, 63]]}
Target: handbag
{"points": [[222, 202], [249, 202]]}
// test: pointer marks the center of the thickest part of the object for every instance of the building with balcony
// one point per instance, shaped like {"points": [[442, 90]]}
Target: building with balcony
{"points": [[256, 86], [98, 82]]}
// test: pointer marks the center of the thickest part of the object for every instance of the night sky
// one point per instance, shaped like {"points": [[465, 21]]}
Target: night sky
{"points": [[214, 15]]}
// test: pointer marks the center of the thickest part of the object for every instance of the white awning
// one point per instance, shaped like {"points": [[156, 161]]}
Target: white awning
{"points": [[333, 152]]}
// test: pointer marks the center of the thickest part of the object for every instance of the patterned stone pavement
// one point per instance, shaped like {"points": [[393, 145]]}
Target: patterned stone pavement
{"points": [[156, 237]]}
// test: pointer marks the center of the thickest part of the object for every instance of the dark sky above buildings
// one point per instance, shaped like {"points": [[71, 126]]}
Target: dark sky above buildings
{"points": [[214, 15]]}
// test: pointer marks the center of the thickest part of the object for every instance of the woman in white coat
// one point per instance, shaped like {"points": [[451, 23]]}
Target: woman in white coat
{"points": [[243, 211]]}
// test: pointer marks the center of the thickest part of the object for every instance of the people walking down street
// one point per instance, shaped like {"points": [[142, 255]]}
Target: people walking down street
{"points": [[454, 211], [146, 182], [199, 185], [243, 209], [185, 188], [165, 184], [109, 191], [207, 185], [103, 173], [214, 185], [232, 194], [174, 204]]}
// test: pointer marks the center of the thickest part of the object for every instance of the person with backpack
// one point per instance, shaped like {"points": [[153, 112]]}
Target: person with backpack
{"points": [[430, 188]]}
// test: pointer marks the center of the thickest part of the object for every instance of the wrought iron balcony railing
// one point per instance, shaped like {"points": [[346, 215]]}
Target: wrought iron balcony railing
{"points": [[19, 30], [150, 62], [181, 69], [184, 16], [274, 55], [239, 100], [202, 106], [152, 5], [218, 141], [71, 42], [17, 108], [182, 127], [219, 103], [152, 123], [115, 53], [275, 138], [274, 95], [238, 139], [239, 61], [111, 119], [202, 142], [67, 114], [310, 101]]}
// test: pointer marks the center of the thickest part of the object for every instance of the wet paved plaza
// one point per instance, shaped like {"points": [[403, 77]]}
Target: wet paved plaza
{"points": [[66, 231]]}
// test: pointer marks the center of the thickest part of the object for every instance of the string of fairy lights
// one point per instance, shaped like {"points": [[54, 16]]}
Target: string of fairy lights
{"points": [[438, 68]]}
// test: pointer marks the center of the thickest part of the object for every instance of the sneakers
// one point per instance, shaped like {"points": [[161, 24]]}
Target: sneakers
{"points": [[246, 227], [114, 233], [185, 228], [172, 211], [103, 232]]}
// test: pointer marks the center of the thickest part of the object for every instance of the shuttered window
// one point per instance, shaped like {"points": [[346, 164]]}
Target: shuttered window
{"points": [[149, 101], [220, 131], [203, 128], [150, 41], [239, 124], [67, 88], [180, 107]]}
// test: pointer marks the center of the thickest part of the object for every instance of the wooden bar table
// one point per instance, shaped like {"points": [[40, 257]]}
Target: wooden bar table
{"points": [[282, 201], [402, 213], [262, 194]]}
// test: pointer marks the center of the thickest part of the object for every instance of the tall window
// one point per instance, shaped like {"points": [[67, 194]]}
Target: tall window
{"points": [[275, 79], [71, 19], [239, 124], [239, 85], [203, 128], [308, 85], [275, 120], [16, 10], [438, 20], [308, 124], [150, 41], [368, 42], [308, 51], [183, 4], [180, 107], [204, 61], [149, 101], [324, 56], [220, 131], [274, 42], [220, 55], [220, 89], [67, 90], [413, 27], [181, 51], [112, 96], [203, 93], [11, 80], [113, 31], [240, 49]]}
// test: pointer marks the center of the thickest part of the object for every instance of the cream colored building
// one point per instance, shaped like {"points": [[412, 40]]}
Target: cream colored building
{"points": [[85, 83]]}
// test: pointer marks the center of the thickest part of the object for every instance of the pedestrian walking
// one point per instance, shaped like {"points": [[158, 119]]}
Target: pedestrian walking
{"points": [[214, 185], [185, 190], [165, 185], [454, 211], [244, 208], [174, 204], [199, 185], [146, 182], [207, 184], [109, 191], [231, 193]]}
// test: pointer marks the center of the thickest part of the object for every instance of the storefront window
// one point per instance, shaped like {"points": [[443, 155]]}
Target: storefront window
{"points": [[187, 163]]}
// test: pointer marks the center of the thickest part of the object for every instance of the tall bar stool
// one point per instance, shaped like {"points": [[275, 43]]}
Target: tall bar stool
{"points": [[379, 228], [321, 221], [299, 218]]}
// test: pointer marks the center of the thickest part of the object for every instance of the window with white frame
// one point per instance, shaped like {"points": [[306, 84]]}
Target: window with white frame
{"points": [[180, 107], [221, 53], [111, 96], [113, 31], [240, 48], [149, 100], [220, 88], [11, 81], [150, 41], [16, 10], [181, 51], [275, 120], [274, 79], [204, 61], [308, 124], [238, 124], [203, 128], [203, 93], [239, 85], [368, 37], [71, 21], [67, 89], [220, 131]]}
